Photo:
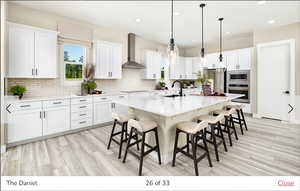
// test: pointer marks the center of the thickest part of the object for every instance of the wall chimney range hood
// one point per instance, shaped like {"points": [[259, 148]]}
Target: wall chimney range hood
{"points": [[131, 63]]}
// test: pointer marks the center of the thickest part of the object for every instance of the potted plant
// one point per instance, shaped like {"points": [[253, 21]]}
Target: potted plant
{"points": [[89, 86], [161, 85], [17, 90], [202, 78]]}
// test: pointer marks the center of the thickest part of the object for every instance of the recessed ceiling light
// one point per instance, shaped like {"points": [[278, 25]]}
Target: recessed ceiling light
{"points": [[261, 2], [271, 21], [138, 20], [176, 13]]}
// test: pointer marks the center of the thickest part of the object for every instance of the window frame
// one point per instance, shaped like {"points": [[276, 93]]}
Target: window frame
{"points": [[72, 82]]}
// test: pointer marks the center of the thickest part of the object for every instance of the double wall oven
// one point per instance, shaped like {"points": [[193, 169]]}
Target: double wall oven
{"points": [[238, 82]]}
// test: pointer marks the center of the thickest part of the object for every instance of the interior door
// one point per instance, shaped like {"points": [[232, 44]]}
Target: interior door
{"points": [[273, 80], [21, 52], [56, 119], [45, 54]]}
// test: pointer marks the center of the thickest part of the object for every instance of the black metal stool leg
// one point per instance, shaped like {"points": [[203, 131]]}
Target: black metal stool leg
{"points": [[206, 148], [128, 143], [222, 136], [243, 118], [240, 121], [233, 126], [142, 155], [111, 134], [194, 148], [157, 146], [122, 139]]}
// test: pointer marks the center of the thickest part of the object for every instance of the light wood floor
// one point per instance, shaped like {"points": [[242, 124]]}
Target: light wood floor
{"points": [[268, 148]]}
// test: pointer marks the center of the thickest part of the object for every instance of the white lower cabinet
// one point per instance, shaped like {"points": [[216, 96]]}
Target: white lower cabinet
{"points": [[24, 124], [102, 112], [81, 112], [56, 119]]}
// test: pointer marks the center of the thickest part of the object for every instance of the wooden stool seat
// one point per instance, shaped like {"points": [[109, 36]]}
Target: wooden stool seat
{"points": [[121, 117]]}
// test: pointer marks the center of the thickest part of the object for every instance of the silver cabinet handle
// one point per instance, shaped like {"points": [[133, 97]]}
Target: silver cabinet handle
{"points": [[36, 71], [82, 100], [32, 71], [82, 114], [82, 107], [59, 102], [40, 115], [103, 98], [82, 122], [44, 114], [25, 106]]}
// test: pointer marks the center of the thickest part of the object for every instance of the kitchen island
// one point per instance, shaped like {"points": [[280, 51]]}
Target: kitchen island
{"points": [[168, 111]]}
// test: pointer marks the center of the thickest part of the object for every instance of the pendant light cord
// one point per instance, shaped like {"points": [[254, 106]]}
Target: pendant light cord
{"points": [[202, 29], [220, 36], [172, 25]]}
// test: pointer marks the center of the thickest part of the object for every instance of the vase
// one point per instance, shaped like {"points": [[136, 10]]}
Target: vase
{"points": [[206, 89]]}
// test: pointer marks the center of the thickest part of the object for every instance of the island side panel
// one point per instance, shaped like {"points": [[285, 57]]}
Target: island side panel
{"points": [[167, 127]]}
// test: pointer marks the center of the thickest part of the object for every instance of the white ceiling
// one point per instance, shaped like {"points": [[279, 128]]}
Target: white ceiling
{"points": [[239, 16]]}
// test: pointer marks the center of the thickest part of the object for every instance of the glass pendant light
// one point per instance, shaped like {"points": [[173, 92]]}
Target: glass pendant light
{"points": [[172, 50], [202, 53], [221, 62]]}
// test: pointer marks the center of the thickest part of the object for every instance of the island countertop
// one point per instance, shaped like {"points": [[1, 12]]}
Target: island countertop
{"points": [[168, 107]]}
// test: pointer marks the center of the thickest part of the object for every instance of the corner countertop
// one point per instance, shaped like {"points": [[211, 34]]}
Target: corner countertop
{"points": [[169, 107]]}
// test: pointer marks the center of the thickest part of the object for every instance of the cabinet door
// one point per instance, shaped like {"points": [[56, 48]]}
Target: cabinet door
{"points": [[244, 59], [102, 59], [116, 62], [231, 60], [24, 124], [56, 119], [149, 59], [212, 60], [45, 54], [102, 112], [20, 52], [189, 68], [157, 65], [196, 66]]}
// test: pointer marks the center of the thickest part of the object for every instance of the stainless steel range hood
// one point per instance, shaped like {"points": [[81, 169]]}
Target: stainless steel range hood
{"points": [[131, 63]]}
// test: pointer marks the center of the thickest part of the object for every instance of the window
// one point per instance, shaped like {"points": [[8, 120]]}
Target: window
{"points": [[74, 61]]}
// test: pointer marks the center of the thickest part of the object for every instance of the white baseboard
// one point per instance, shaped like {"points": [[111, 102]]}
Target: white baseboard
{"points": [[255, 115], [3, 148]]}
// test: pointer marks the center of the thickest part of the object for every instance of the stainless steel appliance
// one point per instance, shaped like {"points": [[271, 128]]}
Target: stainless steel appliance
{"points": [[238, 82]]}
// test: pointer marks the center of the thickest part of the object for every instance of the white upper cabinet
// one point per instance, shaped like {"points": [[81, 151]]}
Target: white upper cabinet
{"points": [[239, 59], [244, 58], [31, 52], [212, 60], [20, 52], [153, 62], [196, 66], [108, 60], [45, 54], [188, 68]]}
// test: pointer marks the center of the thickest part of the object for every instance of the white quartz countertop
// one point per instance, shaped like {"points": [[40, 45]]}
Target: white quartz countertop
{"points": [[169, 107]]}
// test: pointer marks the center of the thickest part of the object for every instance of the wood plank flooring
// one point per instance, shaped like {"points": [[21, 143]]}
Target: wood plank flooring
{"points": [[268, 148]]}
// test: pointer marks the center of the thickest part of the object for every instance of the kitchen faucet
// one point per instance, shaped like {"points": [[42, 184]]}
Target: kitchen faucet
{"points": [[181, 86]]}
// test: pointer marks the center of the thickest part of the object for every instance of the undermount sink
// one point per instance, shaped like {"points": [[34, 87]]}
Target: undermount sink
{"points": [[173, 95]]}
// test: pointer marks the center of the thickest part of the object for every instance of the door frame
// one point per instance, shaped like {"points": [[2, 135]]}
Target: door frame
{"points": [[291, 43]]}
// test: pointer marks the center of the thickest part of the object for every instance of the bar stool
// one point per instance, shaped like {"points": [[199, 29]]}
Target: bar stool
{"points": [[142, 127], [229, 124], [196, 131], [214, 122], [122, 120], [240, 116]]}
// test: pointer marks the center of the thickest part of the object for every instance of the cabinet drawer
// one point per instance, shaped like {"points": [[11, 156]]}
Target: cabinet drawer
{"points": [[81, 107], [81, 115], [122, 96], [81, 100], [81, 123], [102, 98], [57, 102], [24, 106]]}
